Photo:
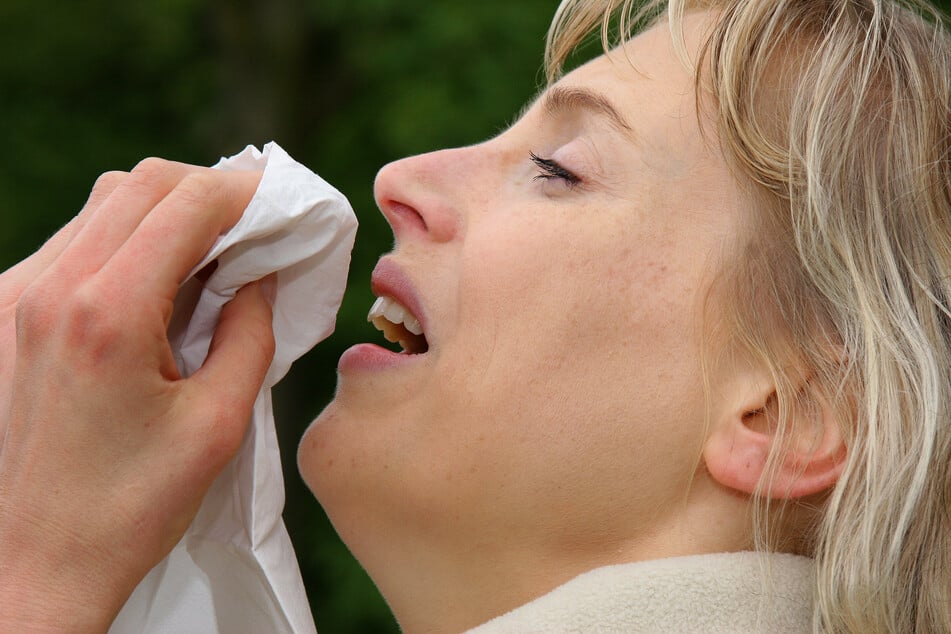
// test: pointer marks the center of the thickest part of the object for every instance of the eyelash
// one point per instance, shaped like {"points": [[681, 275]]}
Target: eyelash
{"points": [[552, 170]]}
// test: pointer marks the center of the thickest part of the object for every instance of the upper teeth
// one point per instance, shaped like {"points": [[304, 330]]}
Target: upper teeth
{"points": [[395, 313]]}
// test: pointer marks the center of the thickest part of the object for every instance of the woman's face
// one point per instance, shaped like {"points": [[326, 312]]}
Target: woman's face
{"points": [[559, 404]]}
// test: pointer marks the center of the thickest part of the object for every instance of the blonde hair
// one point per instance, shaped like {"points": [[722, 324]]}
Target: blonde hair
{"points": [[838, 114]]}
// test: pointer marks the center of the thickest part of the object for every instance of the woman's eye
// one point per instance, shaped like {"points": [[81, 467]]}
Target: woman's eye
{"points": [[552, 170]]}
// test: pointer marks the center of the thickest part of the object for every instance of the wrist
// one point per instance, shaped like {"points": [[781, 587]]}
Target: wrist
{"points": [[52, 586], [36, 609], [31, 605]]}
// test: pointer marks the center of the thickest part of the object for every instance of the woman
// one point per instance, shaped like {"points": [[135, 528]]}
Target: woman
{"points": [[692, 303]]}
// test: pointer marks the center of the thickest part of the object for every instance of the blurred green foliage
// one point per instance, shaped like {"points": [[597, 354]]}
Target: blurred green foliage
{"points": [[344, 86]]}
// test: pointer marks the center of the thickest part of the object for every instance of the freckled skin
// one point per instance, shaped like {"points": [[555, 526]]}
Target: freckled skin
{"points": [[559, 409]]}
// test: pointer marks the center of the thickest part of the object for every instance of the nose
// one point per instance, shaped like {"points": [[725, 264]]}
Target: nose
{"points": [[419, 196]]}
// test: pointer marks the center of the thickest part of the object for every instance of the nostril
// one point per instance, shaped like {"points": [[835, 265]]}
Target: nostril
{"points": [[399, 213]]}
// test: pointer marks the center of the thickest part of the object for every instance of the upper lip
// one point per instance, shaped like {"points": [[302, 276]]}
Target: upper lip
{"points": [[389, 280]]}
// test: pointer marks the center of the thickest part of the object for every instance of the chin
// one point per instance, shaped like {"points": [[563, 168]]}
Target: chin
{"points": [[324, 455], [348, 456]]}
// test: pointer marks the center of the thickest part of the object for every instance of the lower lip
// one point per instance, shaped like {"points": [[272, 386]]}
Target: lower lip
{"points": [[368, 356]]}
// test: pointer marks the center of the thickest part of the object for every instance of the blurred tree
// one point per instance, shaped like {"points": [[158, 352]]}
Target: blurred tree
{"points": [[344, 86]]}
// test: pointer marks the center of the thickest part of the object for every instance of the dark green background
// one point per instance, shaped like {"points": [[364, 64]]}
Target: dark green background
{"points": [[344, 85]]}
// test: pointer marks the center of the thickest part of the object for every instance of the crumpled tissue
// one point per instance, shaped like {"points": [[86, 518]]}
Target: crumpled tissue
{"points": [[234, 571]]}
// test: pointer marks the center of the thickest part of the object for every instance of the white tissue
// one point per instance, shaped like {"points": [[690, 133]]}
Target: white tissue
{"points": [[234, 571]]}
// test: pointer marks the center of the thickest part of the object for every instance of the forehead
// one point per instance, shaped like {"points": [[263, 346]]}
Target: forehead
{"points": [[651, 88], [649, 83]]}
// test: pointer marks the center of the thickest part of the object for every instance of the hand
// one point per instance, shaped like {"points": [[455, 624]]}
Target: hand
{"points": [[108, 451]]}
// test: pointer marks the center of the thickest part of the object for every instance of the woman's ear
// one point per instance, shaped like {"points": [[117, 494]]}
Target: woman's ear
{"points": [[810, 450]]}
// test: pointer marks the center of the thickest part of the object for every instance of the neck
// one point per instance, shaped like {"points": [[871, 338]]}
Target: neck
{"points": [[444, 570], [434, 590]]}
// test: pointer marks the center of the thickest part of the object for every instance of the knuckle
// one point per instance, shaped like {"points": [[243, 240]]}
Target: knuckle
{"points": [[90, 319], [151, 168], [151, 174], [261, 336], [198, 187], [254, 328], [103, 188], [86, 324], [82, 318], [35, 314], [107, 182], [223, 430]]}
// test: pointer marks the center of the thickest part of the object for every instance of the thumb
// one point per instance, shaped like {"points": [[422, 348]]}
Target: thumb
{"points": [[239, 356]]}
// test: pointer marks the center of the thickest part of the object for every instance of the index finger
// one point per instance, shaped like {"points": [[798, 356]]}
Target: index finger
{"points": [[115, 218], [177, 233]]}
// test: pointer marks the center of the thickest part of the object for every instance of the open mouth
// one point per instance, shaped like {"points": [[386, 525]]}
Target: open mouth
{"points": [[398, 325]]}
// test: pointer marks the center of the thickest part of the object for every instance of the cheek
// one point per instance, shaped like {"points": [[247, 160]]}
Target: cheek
{"points": [[551, 298], [580, 342], [581, 352]]}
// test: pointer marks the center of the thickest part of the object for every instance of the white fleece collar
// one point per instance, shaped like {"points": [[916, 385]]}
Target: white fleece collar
{"points": [[739, 593]]}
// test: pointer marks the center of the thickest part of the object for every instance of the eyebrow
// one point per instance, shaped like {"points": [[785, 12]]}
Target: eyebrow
{"points": [[561, 100]]}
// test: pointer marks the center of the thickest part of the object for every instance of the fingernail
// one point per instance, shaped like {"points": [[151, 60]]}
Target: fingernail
{"points": [[269, 287]]}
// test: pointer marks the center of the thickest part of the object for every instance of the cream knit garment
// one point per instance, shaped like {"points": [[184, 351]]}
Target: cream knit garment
{"points": [[736, 593]]}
